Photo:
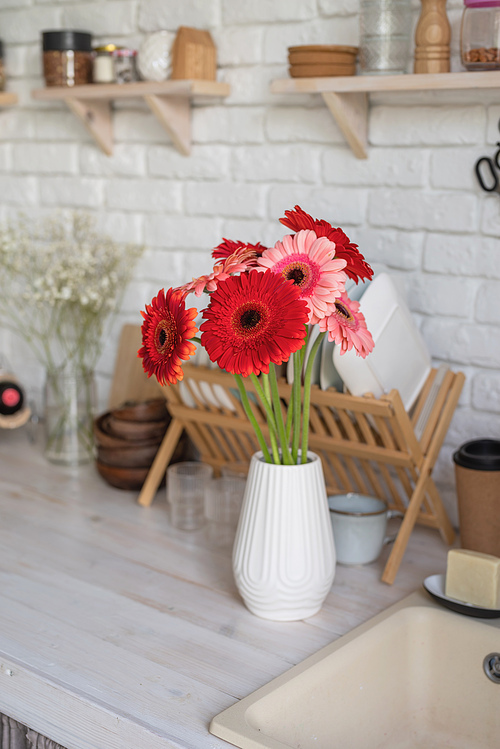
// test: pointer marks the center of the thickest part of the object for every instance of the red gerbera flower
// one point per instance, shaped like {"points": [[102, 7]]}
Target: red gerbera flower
{"points": [[347, 327], [166, 329], [357, 267], [228, 247], [252, 320]]}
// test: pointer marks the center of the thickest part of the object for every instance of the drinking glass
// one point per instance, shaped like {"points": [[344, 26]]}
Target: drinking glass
{"points": [[186, 488]]}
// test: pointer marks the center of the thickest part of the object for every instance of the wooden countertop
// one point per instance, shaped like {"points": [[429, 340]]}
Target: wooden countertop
{"points": [[118, 632]]}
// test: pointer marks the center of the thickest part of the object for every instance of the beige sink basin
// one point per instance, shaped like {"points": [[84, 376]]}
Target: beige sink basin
{"points": [[411, 677]]}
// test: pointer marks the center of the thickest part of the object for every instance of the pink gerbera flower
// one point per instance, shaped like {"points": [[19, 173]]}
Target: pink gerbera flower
{"points": [[239, 262], [309, 261], [346, 327], [357, 268]]}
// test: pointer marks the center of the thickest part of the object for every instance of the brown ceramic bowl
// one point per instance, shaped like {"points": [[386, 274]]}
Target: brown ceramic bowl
{"points": [[130, 479], [136, 456], [105, 438], [135, 430], [151, 410]]}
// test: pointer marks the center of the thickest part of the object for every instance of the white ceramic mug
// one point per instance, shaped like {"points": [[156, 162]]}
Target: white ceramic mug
{"points": [[359, 527]]}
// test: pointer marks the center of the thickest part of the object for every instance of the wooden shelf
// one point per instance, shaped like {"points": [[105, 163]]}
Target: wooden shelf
{"points": [[170, 102], [347, 97]]}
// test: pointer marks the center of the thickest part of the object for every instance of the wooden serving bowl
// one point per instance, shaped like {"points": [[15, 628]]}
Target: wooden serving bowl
{"points": [[105, 438], [135, 430], [130, 479], [324, 49], [321, 57], [135, 456], [150, 410], [321, 70]]}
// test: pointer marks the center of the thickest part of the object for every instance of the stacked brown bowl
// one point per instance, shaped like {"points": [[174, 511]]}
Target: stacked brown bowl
{"points": [[127, 440], [317, 60]]}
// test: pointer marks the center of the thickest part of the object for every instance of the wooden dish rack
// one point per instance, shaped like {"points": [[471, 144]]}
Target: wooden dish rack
{"points": [[367, 445]]}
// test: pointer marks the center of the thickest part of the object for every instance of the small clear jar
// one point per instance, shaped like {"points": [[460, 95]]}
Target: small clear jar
{"points": [[125, 65], [480, 35], [103, 69]]}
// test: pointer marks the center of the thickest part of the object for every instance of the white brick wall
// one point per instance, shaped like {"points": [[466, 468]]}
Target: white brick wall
{"points": [[413, 205]]}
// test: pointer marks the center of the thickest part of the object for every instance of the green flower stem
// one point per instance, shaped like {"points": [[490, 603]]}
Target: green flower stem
{"points": [[307, 395], [251, 418], [264, 394], [285, 452], [289, 420], [298, 363]]}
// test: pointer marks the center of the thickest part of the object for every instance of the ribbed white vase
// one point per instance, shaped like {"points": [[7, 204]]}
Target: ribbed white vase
{"points": [[284, 555]]}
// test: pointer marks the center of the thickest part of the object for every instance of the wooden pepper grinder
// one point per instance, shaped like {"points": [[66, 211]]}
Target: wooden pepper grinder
{"points": [[432, 38]]}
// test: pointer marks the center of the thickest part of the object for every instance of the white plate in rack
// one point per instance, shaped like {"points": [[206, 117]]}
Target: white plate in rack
{"points": [[400, 359]]}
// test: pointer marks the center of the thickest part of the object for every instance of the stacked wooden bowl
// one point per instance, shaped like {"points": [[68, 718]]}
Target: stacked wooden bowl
{"points": [[317, 60], [127, 440]]}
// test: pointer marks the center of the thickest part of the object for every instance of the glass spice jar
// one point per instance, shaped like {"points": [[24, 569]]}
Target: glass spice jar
{"points": [[480, 35], [67, 57], [125, 65], [103, 70]]}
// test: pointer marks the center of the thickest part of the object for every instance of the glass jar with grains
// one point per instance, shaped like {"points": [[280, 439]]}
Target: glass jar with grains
{"points": [[67, 57], [480, 35]]}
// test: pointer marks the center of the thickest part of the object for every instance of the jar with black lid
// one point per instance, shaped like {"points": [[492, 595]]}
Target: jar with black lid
{"points": [[67, 57]]}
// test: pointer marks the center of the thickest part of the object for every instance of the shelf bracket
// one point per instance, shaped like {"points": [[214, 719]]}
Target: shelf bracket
{"points": [[350, 111], [96, 117], [174, 113]]}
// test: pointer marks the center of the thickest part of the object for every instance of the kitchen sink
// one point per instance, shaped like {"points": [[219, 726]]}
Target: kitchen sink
{"points": [[413, 676]]}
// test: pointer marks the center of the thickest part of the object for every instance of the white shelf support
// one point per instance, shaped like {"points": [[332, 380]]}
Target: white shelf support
{"points": [[351, 114]]}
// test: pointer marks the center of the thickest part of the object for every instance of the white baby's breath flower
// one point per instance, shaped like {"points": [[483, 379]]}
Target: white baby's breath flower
{"points": [[69, 279]]}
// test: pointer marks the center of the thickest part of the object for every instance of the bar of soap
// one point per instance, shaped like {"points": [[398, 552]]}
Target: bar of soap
{"points": [[473, 577]]}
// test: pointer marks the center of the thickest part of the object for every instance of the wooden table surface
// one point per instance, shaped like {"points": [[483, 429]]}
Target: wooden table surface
{"points": [[118, 632]]}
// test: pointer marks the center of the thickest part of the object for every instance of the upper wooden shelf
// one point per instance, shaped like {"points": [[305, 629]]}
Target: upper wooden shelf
{"points": [[170, 101], [7, 99], [347, 96]]}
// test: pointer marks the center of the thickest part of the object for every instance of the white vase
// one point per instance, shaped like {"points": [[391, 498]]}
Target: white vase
{"points": [[284, 555]]}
